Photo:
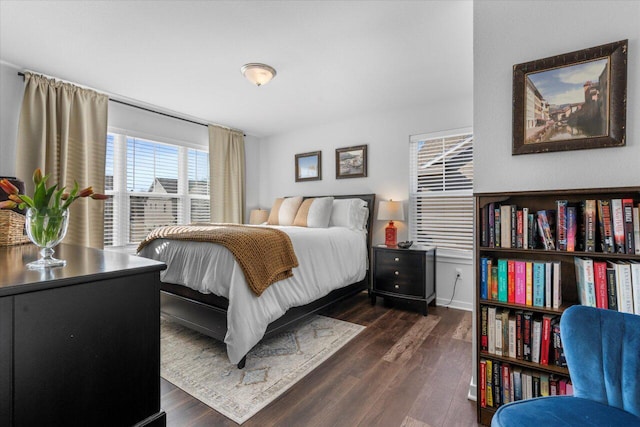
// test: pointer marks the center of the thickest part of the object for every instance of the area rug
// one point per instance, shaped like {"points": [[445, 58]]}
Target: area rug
{"points": [[199, 364]]}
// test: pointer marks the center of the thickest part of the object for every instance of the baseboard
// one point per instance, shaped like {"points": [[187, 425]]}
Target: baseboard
{"points": [[457, 304]]}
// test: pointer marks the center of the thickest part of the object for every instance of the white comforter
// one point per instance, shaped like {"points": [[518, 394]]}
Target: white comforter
{"points": [[329, 258]]}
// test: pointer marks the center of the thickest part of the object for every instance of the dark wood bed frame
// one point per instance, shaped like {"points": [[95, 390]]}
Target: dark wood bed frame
{"points": [[207, 313]]}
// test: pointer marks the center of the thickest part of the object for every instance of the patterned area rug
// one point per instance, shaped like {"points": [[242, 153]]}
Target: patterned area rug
{"points": [[199, 364]]}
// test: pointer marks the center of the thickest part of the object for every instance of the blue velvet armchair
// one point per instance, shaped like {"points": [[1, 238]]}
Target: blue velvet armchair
{"points": [[603, 354]]}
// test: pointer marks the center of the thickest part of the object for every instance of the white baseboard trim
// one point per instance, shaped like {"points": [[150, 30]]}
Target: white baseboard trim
{"points": [[473, 391], [457, 304]]}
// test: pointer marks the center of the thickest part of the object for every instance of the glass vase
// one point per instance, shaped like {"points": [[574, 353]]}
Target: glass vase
{"points": [[46, 229]]}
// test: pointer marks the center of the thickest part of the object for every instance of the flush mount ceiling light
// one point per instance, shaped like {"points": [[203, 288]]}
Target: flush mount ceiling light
{"points": [[258, 74]]}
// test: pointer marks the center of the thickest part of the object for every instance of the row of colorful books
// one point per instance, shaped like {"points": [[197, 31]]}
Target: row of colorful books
{"points": [[532, 283], [521, 335], [605, 225], [613, 284], [501, 383]]}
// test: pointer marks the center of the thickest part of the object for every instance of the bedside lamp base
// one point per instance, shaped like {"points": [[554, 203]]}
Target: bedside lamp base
{"points": [[390, 235]]}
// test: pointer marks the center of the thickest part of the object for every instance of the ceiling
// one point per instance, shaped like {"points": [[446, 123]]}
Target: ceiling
{"points": [[334, 59]]}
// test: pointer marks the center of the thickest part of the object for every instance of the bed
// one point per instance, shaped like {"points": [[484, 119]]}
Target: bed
{"points": [[204, 288]]}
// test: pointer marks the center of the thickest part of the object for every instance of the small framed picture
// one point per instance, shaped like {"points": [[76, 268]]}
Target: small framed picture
{"points": [[571, 101], [309, 166], [351, 162]]}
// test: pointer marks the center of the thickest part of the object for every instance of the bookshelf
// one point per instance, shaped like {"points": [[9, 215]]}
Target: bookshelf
{"points": [[535, 201]]}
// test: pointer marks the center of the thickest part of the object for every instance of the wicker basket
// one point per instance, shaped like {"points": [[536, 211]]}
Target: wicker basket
{"points": [[12, 231]]}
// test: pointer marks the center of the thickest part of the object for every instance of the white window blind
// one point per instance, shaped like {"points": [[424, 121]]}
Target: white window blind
{"points": [[152, 184], [441, 189]]}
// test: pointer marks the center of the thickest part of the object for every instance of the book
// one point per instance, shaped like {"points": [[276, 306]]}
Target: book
{"points": [[489, 277], [497, 227], [544, 229], [511, 281], [538, 284], [533, 230], [499, 334], [484, 289], [545, 339], [635, 284], [505, 332], [623, 286], [535, 382], [483, 383], [529, 283], [484, 331], [526, 386], [612, 288], [491, 330], [553, 385], [512, 336], [572, 228], [517, 383], [544, 384], [520, 282], [605, 226], [506, 383], [484, 227], [492, 225], [519, 229], [519, 342], [514, 225], [497, 386], [502, 280], [557, 285], [617, 219], [548, 284], [494, 282], [489, 388], [561, 225], [600, 282], [536, 340], [505, 226], [636, 229], [584, 281], [526, 335], [525, 228], [559, 358], [627, 215], [590, 225]]}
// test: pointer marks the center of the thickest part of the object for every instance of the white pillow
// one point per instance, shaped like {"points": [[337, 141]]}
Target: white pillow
{"points": [[284, 210], [314, 213], [350, 213]]}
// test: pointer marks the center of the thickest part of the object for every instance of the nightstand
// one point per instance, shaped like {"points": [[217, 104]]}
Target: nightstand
{"points": [[408, 274]]}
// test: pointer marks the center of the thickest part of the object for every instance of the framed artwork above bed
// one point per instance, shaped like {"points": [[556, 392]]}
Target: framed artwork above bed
{"points": [[351, 162], [309, 166]]}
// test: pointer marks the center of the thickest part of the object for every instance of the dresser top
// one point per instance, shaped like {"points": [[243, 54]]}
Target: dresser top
{"points": [[83, 264]]}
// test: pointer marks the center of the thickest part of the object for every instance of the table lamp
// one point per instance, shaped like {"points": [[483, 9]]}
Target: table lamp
{"points": [[391, 211], [258, 216]]}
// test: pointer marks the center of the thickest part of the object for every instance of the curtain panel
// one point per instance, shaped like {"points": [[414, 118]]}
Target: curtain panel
{"points": [[63, 130], [227, 176]]}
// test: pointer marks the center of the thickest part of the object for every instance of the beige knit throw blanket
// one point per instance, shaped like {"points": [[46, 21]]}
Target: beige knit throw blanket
{"points": [[265, 254]]}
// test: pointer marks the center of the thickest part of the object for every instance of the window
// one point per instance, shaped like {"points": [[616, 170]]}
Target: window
{"points": [[152, 184], [441, 189]]}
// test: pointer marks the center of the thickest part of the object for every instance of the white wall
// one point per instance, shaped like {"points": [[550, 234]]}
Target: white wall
{"points": [[538, 29], [506, 33], [387, 136], [11, 91]]}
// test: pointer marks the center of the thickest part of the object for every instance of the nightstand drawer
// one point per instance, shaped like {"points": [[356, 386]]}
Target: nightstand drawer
{"points": [[394, 260], [404, 286]]}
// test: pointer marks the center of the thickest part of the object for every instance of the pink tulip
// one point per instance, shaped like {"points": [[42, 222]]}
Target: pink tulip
{"points": [[8, 187], [8, 204], [98, 196]]}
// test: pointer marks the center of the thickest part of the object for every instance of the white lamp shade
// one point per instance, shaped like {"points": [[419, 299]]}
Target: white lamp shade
{"points": [[258, 216], [390, 211], [258, 74]]}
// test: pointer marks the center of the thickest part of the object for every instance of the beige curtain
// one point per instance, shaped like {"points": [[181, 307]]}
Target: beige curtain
{"points": [[63, 130], [226, 160]]}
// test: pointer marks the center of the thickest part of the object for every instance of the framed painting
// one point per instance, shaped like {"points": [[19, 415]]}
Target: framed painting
{"points": [[572, 101], [351, 162], [309, 166]]}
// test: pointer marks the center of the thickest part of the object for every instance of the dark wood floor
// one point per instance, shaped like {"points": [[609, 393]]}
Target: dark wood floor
{"points": [[404, 369]]}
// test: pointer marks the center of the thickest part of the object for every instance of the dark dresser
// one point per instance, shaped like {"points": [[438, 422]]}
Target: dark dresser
{"points": [[407, 274], [80, 344]]}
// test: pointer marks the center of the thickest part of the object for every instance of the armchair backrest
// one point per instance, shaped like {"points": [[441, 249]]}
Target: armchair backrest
{"points": [[602, 348]]}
